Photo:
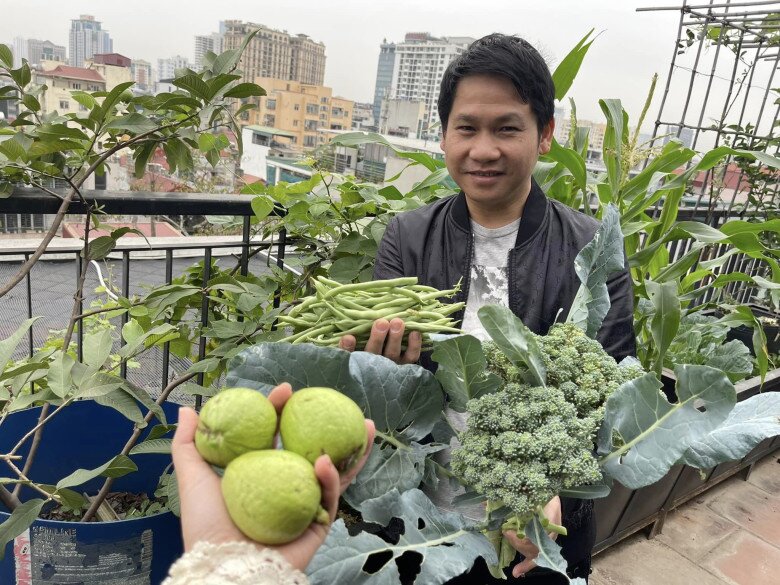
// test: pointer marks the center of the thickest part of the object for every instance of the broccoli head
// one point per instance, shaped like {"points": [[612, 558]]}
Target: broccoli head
{"points": [[523, 445]]}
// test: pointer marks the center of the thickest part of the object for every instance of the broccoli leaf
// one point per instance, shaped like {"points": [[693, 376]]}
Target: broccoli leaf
{"points": [[398, 398], [602, 257], [389, 465], [443, 539], [463, 370], [549, 551], [751, 421], [653, 433], [515, 340]]}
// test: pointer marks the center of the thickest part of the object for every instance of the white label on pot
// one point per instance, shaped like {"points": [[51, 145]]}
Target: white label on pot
{"points": [[52, 555]]}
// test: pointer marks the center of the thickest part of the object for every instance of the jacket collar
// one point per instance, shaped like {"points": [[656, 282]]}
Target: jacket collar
{"points": [[533, 213]]}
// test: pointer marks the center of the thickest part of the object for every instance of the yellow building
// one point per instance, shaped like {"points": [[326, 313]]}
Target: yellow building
{"points": [[63, 79], [301, 109]]}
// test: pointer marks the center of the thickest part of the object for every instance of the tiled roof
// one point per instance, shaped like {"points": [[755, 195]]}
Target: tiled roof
{"points": [[73, 73]]}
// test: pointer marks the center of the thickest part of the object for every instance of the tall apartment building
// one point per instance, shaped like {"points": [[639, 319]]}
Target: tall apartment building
{"points": [[166, 68], [276, 54], [302, 110], [142, 74], [384, 77], [418, 67], [87, 37], [204, 44], [36, 51]]}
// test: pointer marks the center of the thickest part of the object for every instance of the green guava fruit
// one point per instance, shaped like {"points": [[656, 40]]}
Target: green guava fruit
{"points": [[233, 422], [272, 495], [317, 421]]}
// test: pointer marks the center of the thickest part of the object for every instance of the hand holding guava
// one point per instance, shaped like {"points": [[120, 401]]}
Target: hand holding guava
{"points": [[204, 514]]}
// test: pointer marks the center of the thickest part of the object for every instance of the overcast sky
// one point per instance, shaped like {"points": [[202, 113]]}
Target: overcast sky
{"points": [[630, 48]]}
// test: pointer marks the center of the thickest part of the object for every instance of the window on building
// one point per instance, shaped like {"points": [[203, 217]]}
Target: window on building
{"points": [[297, 107], [75, 85], [311, 108], [270, 104], [324, 100], [64, 105], [310, 141], [295, 123], [323, 116], [269, 120], [310, 125]]}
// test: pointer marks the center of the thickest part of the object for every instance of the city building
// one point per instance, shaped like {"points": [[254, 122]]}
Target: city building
{"points": [[204, 44], [684, 135], [142, 74], [384, 77], [112, 67], [363, 116], [302, 110], [276, 54], [418, 67], [87, 38], [36, 51], [402, 117], [166, 68], [61, 81]]}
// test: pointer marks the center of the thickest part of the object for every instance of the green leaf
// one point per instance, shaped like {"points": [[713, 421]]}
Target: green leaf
{"points": [[134, 123], [59, 377], [444, 540], [7, 61], [206, 142], [435, 178], [567, 69], [549, 555], [462, 370], [9, 344], [194, 85], [153, 446], [262, 206], [122, 402], [131, 331], [113, 97], [155, 336], [596, 262], [20, 519], [654, 433], [116, 467], [143, 397], [666, 320], [394, 396], [613, 142], [751, 421], [100, 247], [84, 99], [178, 155], [514, 339], [245, 90], [98, 384], [31, 103]]}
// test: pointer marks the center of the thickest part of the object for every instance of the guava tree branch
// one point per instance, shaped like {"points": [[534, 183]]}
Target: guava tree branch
{"points": [[60, 216], [8, 499], [106, 488]]}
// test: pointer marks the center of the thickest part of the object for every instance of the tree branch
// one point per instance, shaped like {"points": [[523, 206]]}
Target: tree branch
{"points": [[8, 499]]}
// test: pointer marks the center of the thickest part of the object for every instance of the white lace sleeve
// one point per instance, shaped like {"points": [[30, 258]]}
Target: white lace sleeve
{"points": [[233, 563]]}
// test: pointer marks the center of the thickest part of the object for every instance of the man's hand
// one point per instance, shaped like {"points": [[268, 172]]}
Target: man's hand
{"points": [[204, 516], [525, 547], [386, 339]]}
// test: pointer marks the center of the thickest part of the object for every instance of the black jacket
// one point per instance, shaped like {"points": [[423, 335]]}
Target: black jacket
{"points": [[434, 243]]}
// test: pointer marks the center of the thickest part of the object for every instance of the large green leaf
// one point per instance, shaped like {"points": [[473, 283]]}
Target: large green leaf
{"points": [[567, 69], [447, 546], [98, 384], [97, 347], [514, 339], [462, 370], [396, 397], [122, 402], [8, 345], [245, 90], [751, 421], [389, 465], [595, 263], [653, 433], [6, 60], [153, 446], [59, 376], [19, 520], [116, 467]]}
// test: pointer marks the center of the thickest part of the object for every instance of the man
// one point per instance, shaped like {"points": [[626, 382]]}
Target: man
{"points": [[502, 236]]}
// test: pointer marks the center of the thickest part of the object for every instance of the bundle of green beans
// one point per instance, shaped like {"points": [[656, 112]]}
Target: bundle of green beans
{"points": [[339, 309]]}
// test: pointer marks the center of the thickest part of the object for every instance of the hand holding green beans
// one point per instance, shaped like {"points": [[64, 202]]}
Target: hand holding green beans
{"points": [[375, 313]]}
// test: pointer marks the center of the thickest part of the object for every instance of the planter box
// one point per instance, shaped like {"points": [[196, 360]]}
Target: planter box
{"points": [[745, 334], [131, 552]]}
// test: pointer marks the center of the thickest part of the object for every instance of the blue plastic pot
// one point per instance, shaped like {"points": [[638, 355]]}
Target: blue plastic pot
{"points": [[132, 552]]}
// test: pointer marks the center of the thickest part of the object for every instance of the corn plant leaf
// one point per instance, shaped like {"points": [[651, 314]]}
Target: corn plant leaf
{"points": [[751, 421], [653, 433], [567, 69], [447, 546]]}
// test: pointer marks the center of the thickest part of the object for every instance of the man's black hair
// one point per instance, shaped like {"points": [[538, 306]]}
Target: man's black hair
{"points": [[506, 56]]}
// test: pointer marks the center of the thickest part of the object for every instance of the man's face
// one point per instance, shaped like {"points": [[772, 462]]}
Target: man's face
{"points": [[492, 142]]}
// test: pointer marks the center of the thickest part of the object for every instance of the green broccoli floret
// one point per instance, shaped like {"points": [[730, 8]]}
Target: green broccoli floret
{"points": [[523, 445]]}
